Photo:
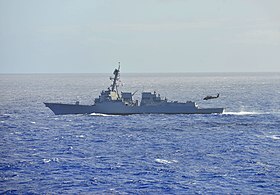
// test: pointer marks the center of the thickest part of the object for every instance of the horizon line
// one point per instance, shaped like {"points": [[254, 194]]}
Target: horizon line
{"points": [[218, 72]]}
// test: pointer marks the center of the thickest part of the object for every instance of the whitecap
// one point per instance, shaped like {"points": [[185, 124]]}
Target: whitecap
{"points": [[163, 161], [55, 159], [275, 137], [46, 160]]}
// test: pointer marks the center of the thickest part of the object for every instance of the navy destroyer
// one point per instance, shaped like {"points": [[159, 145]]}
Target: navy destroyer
{"points": [[112, 102]]}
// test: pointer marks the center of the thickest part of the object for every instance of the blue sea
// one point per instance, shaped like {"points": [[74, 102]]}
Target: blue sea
{"points": [[237, 152]]}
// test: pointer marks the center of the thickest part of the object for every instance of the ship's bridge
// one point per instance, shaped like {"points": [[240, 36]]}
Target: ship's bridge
{"points": [[107, 95]]}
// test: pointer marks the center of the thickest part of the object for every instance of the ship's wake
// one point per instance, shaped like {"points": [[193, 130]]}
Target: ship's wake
{"points": [[100, 114], [241, 113]]}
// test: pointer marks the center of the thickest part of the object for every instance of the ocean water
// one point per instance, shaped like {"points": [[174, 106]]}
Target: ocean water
{"points": [[237, 152]]}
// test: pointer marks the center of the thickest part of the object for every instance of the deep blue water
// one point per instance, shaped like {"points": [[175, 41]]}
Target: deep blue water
{"points": [[237, 152]]}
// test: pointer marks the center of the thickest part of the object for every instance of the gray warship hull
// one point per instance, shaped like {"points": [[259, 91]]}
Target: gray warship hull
{"points": [[111, 102], [115, 108]]}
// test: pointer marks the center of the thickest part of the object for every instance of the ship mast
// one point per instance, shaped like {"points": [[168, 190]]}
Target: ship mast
{"points": [[116, 77]]}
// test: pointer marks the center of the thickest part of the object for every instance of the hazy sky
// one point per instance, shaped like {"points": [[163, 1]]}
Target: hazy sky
{"points": [[87, 36]]}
